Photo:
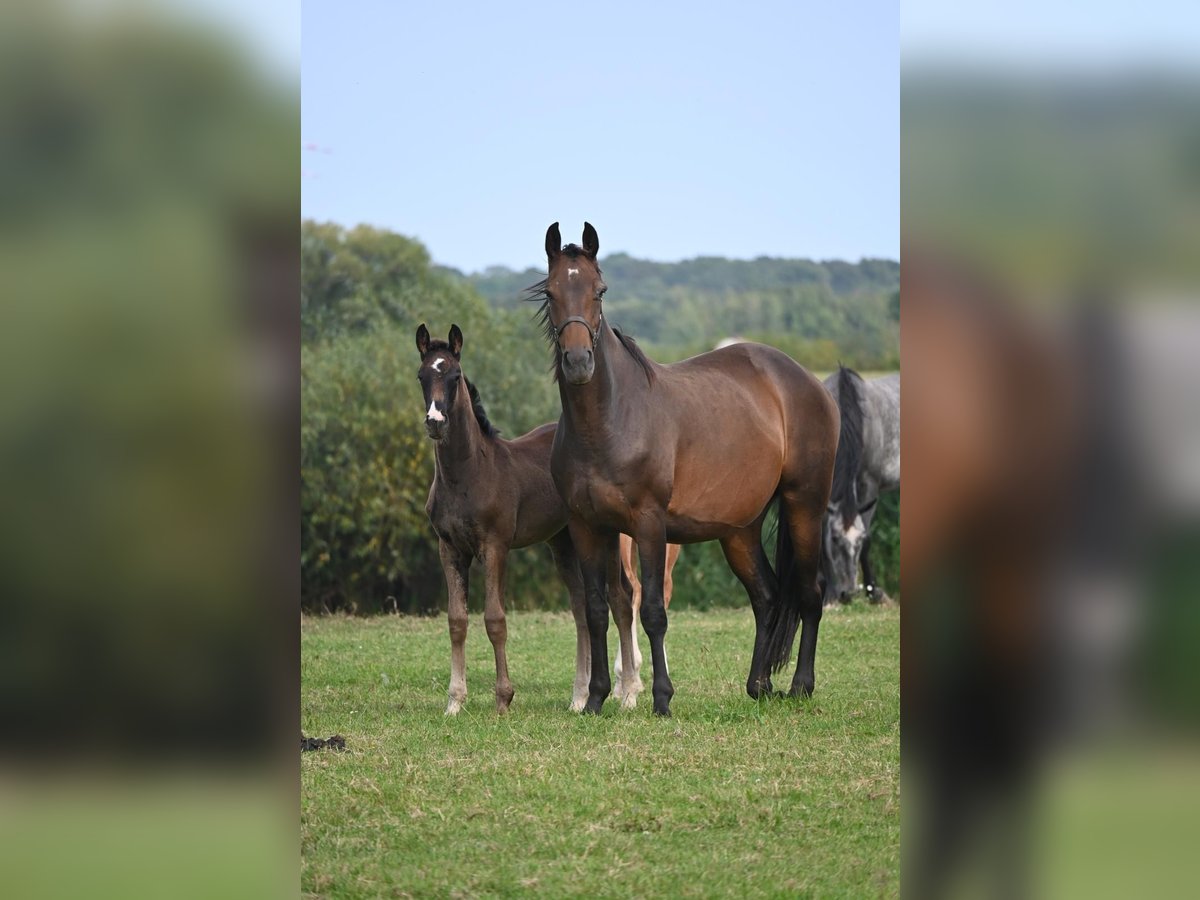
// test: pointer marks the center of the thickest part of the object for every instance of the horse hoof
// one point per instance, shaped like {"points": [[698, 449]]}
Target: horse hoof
{"points": [[801, 689], [453, 707], [593, 707], [760, 689], [629, 701], [577, 704], [662, 709]]}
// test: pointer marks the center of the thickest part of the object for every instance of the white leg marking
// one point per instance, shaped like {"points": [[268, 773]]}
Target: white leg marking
{"points": [[458, 688], [583, 670]]}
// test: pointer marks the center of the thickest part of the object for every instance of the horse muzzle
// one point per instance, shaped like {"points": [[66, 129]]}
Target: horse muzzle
{"points": [[578, 366], [435, 429]]}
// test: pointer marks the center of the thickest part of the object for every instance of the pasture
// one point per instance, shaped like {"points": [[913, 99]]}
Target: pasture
{"points": [[728, 797]]}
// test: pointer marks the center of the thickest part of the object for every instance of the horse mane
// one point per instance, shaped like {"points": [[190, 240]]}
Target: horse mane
{"points": [[481, 415], [636, 352], [537, 294], [848, 461]]}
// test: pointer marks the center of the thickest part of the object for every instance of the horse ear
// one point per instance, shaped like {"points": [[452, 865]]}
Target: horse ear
{"points": [[422, 340], [455, 341], [553, 242], [591, 240]]}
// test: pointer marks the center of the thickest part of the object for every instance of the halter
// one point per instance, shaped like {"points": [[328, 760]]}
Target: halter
{"points": [[594, 335]]}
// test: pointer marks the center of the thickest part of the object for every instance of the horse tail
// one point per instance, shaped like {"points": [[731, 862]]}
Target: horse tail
{"points": [[848, 460], [783, 618]]}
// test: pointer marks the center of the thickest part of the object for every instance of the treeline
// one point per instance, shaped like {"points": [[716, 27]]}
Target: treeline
{"points": [[366, 464], [823, 311]]}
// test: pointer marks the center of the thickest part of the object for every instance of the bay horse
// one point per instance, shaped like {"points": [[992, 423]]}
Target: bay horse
{"points": [[867, 465], [489, 496], [689, 452]]}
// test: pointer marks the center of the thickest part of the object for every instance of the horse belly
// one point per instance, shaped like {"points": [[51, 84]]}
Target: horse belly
{"points": [[718, 493], [538, 520]]}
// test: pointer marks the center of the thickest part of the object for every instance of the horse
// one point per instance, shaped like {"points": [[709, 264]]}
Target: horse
{"points": [[689, 452], [490, 496], [867, 464], [629, 564]]}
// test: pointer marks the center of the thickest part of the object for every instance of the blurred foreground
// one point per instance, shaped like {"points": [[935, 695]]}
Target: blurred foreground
{"points": [[147, 455], [1049, 335]]}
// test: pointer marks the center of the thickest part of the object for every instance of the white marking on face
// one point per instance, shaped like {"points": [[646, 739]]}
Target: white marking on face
{"points": [[437, 363], [854, 532], [571, 273], [434, 413]]}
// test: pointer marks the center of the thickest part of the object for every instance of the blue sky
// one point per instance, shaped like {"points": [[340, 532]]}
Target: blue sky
{"points": [[1053, 35], [678, 130]]}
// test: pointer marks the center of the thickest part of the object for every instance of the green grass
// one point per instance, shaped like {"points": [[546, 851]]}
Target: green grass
{"points": [[728, 797]]}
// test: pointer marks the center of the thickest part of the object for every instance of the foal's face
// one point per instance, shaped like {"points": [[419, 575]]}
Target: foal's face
{"points": [[574, 288], [844, 545], [440, 376]]}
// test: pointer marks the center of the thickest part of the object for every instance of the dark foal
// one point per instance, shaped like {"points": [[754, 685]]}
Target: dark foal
{"points": [[489, 496], [694, 451]]}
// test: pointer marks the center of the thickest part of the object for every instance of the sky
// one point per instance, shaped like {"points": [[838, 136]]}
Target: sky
{"points": [[1054, 35], [678, 130]]}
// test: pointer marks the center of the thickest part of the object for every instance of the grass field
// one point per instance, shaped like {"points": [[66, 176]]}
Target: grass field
{"points": [[728, 797]]}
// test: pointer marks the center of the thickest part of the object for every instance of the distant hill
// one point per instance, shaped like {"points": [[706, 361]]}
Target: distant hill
{"points": [[821, 312]]}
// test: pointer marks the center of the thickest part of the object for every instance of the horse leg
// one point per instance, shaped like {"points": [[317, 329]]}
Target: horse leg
{"points": [[868, 571], [668, 591], [619, 600], [567, 564], [630, 570], [456, 567], [494, 560], [746, 557], [875, 594], [595, 550], [804, 522], [652, 553]]}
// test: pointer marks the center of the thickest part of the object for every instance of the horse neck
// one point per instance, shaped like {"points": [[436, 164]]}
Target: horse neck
{"points": [[591, 410], [881, 425], [459, 455]]}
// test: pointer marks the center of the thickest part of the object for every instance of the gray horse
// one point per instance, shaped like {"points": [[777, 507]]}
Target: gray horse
{"points": [[867, 464]]}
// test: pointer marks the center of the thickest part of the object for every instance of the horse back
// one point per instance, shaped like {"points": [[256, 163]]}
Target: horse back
{"points": [[747, 419], [751, 389], [882, 430], [510, 499]]}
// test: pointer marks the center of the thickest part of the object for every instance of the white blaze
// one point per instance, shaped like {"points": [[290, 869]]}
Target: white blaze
{"points": [[437, 363], [854, 531], [434, 413], [572, 272]]}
